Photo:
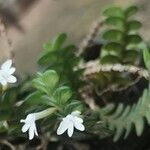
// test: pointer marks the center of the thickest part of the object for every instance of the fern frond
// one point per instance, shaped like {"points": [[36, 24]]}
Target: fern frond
{"points": [[124, 118]]}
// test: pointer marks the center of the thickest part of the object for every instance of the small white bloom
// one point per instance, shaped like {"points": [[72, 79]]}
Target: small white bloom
{"points": [[70, 122], [30, 125], [6, 72]]}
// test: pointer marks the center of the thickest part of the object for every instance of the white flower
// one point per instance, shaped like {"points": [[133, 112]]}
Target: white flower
{"points": [[70, 122], [30, 125], [6, 72]]}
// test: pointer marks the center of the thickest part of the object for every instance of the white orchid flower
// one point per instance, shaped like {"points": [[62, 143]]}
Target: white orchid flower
{"points": [[6, 72], [70, 122], [30, 125], [31, 118]]}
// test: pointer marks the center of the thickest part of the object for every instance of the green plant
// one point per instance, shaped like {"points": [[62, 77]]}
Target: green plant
{"points": [[123, 44], [49, 98], [61, 58], [123, 118]]}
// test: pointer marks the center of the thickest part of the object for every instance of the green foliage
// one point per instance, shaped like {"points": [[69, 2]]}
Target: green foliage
{"points": [[62, 58], [50, 93], [47, 81], [122, 31], [48, 89], [146, 57], [114, 12], [63, 93], [124, 118], [122, 45], [10, 110]]}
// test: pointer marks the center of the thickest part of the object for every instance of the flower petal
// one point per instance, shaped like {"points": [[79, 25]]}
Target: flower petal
{"points": [[70, 129], [11, 70], [79, 126], [25, 127], [11, 79], [62, 127], [31, 132], [6, 65], [78, 120], [3, 81], [35, 130]]}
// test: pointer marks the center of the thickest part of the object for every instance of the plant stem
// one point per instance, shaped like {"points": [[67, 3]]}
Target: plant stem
{"points": [[45, 113]]}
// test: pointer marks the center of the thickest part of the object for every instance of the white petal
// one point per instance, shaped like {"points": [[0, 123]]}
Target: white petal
{"points": [[78, 120], [25, 127], [35, 130], [7, 64], [2, 79], [31, 132], [70, 129], [11, 70], [3, 82], [11, 79], [79, 126], [62, 127]]}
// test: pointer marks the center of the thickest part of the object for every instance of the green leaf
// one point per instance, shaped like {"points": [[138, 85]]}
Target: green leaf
{"points": [[58, 41], [128, 130], [38, 84], [47, 58], [109, 59], [118, 111], [113, 35], [139, 126], [6, 114], [50, 78], [113, 46], [107, 109], [110, 52], [9, 96], [36, 98], [73, 106], [146, 57], [118, 133], [131, 56], [47, 47], [115, 21], [47, 81], [50, 48], [133, 39], [62, 94], [114, 11], [131, 11], [133, 25]]}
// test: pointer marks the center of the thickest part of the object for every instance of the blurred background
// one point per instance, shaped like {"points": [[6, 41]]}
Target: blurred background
{"points": [[30, 23]]}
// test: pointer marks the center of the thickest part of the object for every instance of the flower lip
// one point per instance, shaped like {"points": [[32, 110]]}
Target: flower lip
{"points": [[70, 122], [30, 125]]}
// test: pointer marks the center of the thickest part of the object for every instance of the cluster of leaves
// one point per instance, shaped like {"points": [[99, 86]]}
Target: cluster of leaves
{"points": [[123, 43], [62, 59], [124, 118], [44, 91], [49, 93]]}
